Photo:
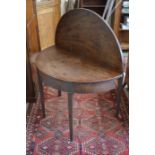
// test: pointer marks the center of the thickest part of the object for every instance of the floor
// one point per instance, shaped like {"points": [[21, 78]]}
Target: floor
{"points": [[96, 129]]}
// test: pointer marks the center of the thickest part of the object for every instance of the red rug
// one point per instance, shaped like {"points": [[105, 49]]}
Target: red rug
{"points": [[96, 129]]}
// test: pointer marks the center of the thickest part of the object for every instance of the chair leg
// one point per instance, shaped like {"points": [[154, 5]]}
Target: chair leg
{"points": [[70, 110], [41, 94], [118, 97], [59, 92]]}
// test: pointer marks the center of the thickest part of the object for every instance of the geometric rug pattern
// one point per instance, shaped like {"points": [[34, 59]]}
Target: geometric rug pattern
{"points": [[96, 129]]}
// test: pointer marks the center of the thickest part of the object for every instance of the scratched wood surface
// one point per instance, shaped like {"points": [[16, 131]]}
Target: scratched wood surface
{"points": [[86, 50], [57, 63]]}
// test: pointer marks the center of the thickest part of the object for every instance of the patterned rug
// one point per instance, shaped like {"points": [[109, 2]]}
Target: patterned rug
{"points": [[96, 129]]}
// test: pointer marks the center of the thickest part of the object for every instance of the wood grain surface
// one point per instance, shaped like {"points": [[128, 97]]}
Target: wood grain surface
{"points": [[86, 50], [57, 63], [85, 34]]}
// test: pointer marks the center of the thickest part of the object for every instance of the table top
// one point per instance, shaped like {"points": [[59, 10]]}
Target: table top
{"points": [[58, 64]]}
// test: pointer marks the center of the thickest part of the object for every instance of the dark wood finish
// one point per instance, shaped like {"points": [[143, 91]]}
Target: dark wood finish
{"points": [[30, 93], [124, 36], [78, 87], [118, 97], [83, 60], [78, 35], [41, 90], [70, 111], [62, 65], [59, 92], [97, 6], [127, 73]]}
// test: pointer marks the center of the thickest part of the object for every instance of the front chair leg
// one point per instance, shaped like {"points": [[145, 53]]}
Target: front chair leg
{"points": [[119, 94], [41, 94], [70, 110]]}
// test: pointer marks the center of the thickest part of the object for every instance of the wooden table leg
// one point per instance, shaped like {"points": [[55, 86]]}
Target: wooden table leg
{"points": [[59, 92], [70, 110], [118, 96], [41, 94]]}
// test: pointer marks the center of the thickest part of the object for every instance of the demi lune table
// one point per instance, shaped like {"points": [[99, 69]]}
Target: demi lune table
{"points": [[86, 58]]}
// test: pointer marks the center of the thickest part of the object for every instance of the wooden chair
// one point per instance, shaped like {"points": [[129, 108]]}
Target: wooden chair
{"points": [[86, 58]]}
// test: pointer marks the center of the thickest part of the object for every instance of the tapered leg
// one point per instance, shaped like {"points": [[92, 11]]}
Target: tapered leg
{"points": [[70, 110], [59, 92], [41, 95], [118, 97]]}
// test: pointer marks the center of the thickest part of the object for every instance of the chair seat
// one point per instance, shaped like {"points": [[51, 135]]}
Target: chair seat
{"points": [[61, 65]]}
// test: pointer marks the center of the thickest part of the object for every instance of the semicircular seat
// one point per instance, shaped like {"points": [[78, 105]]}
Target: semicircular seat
{"points": [[86, 58]]}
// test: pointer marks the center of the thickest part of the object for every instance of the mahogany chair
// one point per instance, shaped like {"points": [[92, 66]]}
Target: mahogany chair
{"points": [[86, 58]]}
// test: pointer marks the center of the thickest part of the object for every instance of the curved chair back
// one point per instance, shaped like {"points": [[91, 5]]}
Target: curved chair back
{"points": [[84, 33]]}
